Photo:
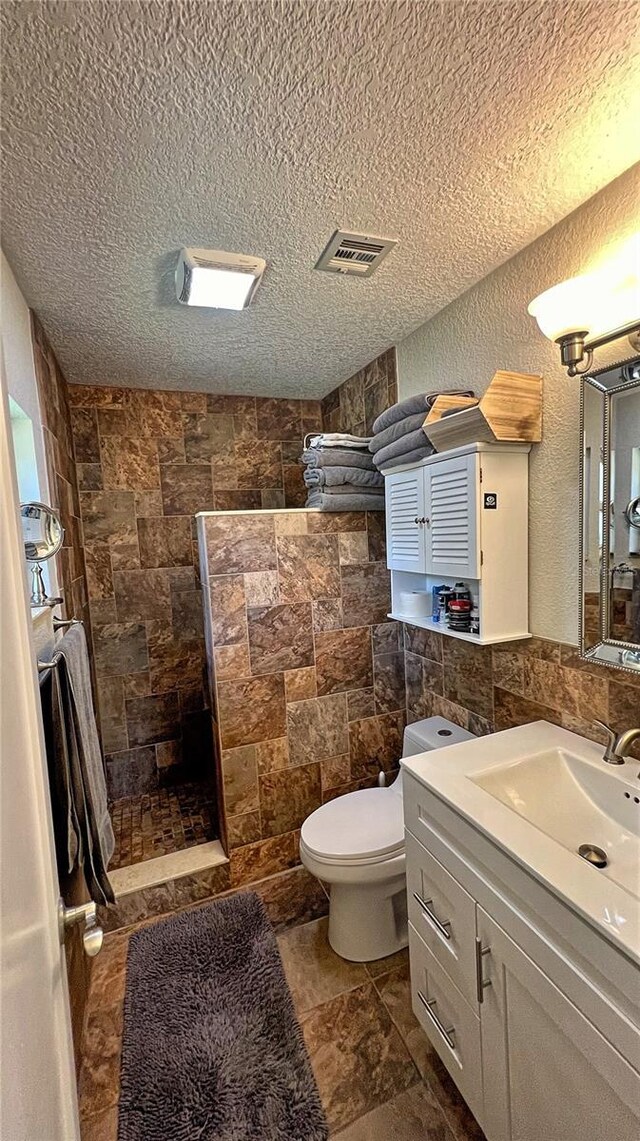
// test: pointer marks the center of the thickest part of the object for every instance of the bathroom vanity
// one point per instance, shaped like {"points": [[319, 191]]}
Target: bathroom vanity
{"points": [[525, 957]]}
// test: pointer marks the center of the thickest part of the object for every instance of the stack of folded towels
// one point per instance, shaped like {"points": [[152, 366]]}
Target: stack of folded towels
{"points": [[398, 437], [340, 474]]}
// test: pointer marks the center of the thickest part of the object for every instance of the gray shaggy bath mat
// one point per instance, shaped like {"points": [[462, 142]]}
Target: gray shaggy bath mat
{"points": [[212, 1049]]}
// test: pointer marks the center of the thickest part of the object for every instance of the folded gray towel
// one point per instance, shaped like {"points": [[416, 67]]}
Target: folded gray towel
{"points": [[347, 489], [396, 431], [337, 440], [405, 444], [355, 501], [337, 457], [408, 457], [335, 476], [86, 772], [412, 406]]}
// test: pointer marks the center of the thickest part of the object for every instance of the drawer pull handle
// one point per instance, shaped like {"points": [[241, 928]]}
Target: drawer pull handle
{"points": [[481, 982], [447, 1032], [441, 925]]}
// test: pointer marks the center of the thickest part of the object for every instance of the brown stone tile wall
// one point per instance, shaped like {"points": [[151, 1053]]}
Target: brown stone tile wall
{"points": [[355, 404], [489, 688], [62, 473], [147, 462], [308, 673]]}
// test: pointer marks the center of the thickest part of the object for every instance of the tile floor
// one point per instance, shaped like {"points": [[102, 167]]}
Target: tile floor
{"points": [[378, 1076], [157, 823]]}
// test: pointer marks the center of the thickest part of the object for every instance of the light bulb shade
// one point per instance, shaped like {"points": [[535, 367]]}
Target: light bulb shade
{"points": [[566, 308], [595, 303], [215, 279]]}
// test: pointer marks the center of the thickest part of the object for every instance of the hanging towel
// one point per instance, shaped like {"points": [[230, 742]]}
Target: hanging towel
{"points": [[412, 406], [74, 720]]}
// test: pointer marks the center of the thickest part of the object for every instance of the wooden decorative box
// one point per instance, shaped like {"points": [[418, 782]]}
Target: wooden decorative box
{"points": [[509, 412]]}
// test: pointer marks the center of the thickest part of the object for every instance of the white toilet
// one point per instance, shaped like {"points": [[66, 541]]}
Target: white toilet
{"points": [[355, 843]]}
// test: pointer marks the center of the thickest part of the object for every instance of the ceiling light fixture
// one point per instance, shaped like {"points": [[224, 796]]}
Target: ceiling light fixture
{"points": [[214, 279], [587, 312]]}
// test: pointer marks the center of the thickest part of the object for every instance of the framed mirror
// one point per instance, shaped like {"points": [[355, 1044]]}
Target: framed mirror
{"points": [[610, 516], [43, 535]]}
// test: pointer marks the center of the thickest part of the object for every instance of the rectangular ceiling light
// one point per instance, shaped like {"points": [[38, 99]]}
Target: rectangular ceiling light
{"points": [[217, 280]]}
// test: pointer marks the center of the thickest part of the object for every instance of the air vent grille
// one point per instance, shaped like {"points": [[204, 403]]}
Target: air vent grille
{"points": [[358, 254]]}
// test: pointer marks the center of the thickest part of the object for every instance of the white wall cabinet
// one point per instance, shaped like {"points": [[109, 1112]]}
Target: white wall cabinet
{"points": [[463, 516], [405, 508], [531, 1034]]}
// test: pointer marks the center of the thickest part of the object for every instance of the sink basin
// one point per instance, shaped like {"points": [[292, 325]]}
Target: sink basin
{"points": [[540, 793], [576, 804]]}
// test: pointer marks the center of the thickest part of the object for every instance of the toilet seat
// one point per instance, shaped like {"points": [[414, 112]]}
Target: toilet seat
{"points": [[358, 828]]}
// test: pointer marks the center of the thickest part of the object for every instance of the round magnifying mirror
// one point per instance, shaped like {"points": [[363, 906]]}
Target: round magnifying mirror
{"points": [[632, 512], [42, 532]]}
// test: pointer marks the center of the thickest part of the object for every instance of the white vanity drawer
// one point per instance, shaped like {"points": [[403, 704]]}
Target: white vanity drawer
{"points": [[444, 915], [450, 1024]]}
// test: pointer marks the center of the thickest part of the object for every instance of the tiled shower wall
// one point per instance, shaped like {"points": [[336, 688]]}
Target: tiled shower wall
{"points": [[62, 473], [147, 462], [355, 404], [489, 688], [308, 672]]}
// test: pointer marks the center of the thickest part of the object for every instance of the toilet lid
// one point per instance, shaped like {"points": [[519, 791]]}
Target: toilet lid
{"points": [[356, 825]]}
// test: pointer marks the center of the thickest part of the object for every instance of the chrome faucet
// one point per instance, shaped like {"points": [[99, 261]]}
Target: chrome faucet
{"points": [[618, 744]]}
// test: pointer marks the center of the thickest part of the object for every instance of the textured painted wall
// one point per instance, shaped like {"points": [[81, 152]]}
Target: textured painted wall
{"points": [[147, 461], [489, 328]]}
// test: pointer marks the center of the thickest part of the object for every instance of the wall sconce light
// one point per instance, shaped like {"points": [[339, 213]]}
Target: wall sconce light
{"points": [[589, 311]]}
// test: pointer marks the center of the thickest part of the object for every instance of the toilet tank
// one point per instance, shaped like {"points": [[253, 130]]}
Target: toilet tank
{"points": [[432, 733]]}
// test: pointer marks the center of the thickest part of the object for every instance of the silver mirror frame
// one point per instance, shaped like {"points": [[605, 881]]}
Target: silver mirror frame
{"points": [[55, 547], [622, 649], [39, 596]]}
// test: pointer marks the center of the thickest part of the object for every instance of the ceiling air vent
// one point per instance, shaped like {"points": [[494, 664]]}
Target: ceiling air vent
{"points": [[358, 254]]}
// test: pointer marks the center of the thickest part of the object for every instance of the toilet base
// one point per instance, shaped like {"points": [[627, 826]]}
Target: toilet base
{"points": [[368, 921]]}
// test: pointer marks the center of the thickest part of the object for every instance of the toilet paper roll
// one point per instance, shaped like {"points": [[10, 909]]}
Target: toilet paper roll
{"points": [[415, 603]]}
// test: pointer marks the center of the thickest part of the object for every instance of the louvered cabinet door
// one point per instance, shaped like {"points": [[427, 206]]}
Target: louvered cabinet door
{"points": [[405, 512], [451, 508]]}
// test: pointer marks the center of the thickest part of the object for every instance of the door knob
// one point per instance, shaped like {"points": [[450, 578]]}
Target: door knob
{"points": [[83, 913]]}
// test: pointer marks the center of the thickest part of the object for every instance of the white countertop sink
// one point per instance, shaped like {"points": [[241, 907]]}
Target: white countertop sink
{"points": [[540, 793]]}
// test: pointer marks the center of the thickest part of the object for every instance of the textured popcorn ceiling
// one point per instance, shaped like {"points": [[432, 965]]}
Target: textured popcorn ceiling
{"points": [[463, 129]]}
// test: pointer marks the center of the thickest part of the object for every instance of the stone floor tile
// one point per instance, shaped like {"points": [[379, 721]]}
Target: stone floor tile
{"points": [[394, 989], [358, 1058], [314, 972], [103, 1127], [411, 1116], [99, 1081]]}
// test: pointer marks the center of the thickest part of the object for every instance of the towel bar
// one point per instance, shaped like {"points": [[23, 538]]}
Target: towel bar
{"points": [[58, 624]]}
